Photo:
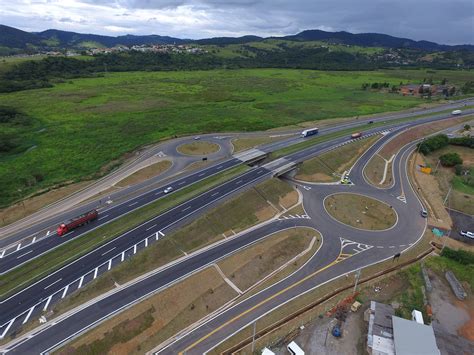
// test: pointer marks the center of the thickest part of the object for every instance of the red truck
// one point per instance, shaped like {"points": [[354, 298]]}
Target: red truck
{"points": [[77, 222], [356, 135]]}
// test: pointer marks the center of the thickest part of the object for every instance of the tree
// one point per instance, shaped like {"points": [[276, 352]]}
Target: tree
{"points": [[467, 127], [433, 143], [444, 81], [450, 159]]}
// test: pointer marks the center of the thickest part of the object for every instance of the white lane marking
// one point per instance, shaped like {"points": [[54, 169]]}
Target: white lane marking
{"points": [[103, 217], [133, 204], [123, 257], [80, 282], [219, 167], [135, 249], [379, 247], [153, 226], [215, 194], [3, 253], [34, 240], [260, 171], [7, 328], [110, 265], [18, 257], [182, 182], [95, 272], [391, 246], [201, 174], [187, 208], [47, 303], [29, 314], [18, 247], [53, 283], [108, 251], [238, 182], [146, 242], [65, 291], [157, 236], [159, 192], [161, 233], [403, 245]]}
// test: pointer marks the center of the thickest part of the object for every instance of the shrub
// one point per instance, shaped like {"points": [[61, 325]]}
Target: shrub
{"points": [[433, 143], [450, 159], [461, 256], [463, 141]]}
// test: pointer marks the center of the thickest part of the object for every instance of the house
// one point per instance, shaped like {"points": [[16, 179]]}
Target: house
{"points": [[380, 333], [410, 90]]}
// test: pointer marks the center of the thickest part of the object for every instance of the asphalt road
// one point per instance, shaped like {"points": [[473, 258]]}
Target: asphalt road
{"points": [[30, 301], [33, 299]]}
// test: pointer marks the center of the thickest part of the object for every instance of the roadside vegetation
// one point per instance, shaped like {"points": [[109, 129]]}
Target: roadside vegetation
{"points": [[145, 173], [360, 211], [329, 166], [81, 125], [198, 148]]}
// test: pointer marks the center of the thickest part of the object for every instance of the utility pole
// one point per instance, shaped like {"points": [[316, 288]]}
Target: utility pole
{"points": [[253, 336], [357, 276]]}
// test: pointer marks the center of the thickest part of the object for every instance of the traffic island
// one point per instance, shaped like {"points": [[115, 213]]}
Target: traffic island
{"points": [[198, 148], [360, 211]]}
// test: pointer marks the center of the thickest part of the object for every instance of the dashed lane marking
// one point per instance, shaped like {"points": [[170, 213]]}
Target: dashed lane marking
{"points": [[53, 283]]}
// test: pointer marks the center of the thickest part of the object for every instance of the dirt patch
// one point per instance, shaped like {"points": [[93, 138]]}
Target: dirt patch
{"points": [[254, 263], [30, 205], [198, 148], [289, 200], [329, 166], [151, 322], [360, 211], [374, 171], [145, 173]]}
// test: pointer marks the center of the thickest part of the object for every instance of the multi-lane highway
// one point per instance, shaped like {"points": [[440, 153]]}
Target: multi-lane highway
{"points": [[32, 300]]}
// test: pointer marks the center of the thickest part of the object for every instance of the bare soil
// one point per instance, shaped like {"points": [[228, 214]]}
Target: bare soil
{"points": [[198, 148], [360, 211], [145, 173]]}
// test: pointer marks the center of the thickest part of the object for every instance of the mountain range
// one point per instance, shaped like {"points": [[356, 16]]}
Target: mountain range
{"points": [[13, 40]]}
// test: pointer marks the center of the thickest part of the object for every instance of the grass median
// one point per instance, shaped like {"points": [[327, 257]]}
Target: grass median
{"points": [[34, 270]]}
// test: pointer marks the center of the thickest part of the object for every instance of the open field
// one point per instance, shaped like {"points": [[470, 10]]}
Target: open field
{"points": [[198, 148], [374, 171], [329, 166], [83, 124], [41, 266], [360, 211], [145, 173]]}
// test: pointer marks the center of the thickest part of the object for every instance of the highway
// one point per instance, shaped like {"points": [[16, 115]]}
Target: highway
{"points": [[39, 296]]}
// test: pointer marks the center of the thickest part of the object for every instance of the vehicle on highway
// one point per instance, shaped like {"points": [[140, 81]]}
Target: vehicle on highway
{"points": [[424, 213], [356, 135], [370, 122], [456, 112], [309, 132], [197, 138], [168, 189], [77, 222], [467, 234]]}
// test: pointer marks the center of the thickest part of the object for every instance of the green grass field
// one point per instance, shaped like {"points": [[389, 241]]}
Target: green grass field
{"points": [[83, 124]]}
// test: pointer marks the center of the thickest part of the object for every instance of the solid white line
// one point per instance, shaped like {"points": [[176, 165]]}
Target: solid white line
{"points": [[65, 291], [34, 240], [47, 303], [187, 208], [95, 272], [135, 249], [215, 194], [146, 242], [7, 328], [123, 256], [103, 217], [110, 265], [133, 204], [157, 236], [18, 247], [108, 251], [53, 283], [153, 226], [161, 233], [3, 253], [28, 315], [18, 257], [80, 282]]}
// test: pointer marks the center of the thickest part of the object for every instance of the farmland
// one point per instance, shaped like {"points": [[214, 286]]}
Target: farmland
{"points": [[79, 126]]}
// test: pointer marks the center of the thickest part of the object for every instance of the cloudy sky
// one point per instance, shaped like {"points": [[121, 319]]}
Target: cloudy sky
{"points": [[442, 21]]}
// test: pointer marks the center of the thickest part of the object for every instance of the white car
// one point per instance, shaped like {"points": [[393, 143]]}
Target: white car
{"points": [[168, 189], [467, 234], [197, 138]]}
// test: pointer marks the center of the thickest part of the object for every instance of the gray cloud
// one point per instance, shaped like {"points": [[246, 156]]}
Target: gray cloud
{"points": [[442, 21]]}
